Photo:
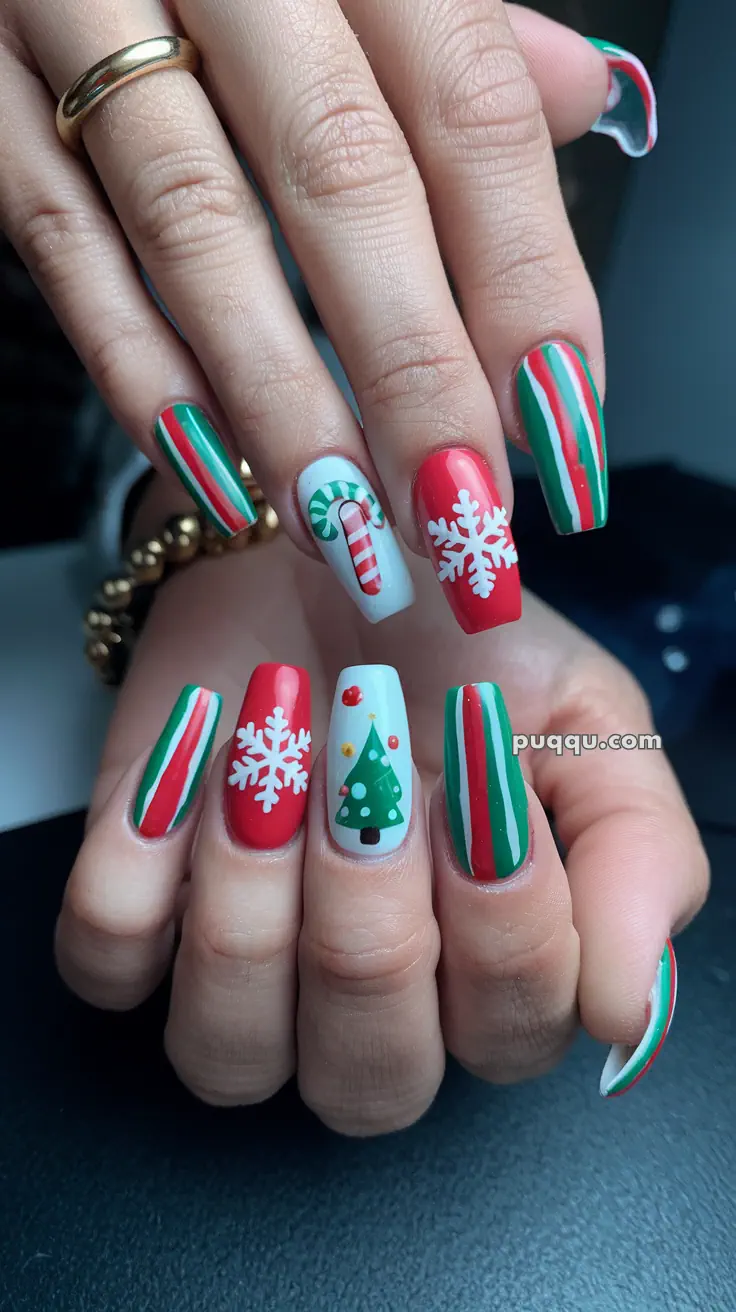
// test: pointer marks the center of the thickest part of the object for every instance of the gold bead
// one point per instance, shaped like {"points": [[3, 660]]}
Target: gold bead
{"points": [[213, 543], [147, 561], [97, 623], [268, 523], [239, 541], [251, 483], [116, 593], [182, 538]]}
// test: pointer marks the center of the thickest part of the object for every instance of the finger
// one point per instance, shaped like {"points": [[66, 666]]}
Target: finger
{"points": [[471, 110], [371, 1056], [509, 968], [308, 114], [635, 862], [115, 931], [57, 221], [203, 238], [230, 1034]]}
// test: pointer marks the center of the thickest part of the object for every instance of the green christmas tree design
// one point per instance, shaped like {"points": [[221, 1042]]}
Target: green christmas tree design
{"points": [[370, 803]]}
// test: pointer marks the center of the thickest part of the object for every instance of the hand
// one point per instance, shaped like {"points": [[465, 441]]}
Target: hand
{"points": [[393, 139], [366, 1031]]}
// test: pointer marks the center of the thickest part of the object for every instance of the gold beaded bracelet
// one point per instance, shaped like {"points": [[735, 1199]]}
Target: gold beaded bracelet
{"points": [[123, 600]]}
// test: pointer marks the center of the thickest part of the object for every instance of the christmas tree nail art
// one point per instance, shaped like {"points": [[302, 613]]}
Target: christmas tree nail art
{"points": [[630, 116], [270, 758], [626, 1066], [350, 528], [369, 766]]}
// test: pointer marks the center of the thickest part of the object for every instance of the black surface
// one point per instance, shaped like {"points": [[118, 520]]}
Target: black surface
{"points": [[121, 1194]]}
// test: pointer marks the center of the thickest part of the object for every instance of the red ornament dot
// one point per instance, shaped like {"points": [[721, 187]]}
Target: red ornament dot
{"points": [[344, 790], [352, 696], [393, 742]]}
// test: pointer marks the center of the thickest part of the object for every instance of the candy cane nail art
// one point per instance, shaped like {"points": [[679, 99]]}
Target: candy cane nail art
{"points": [[177, 763], [630, 116], [563, 422], [350, 528], [626, 1066]]}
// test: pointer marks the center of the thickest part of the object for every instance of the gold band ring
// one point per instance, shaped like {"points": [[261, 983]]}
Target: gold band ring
{"points": [[125, 65]]}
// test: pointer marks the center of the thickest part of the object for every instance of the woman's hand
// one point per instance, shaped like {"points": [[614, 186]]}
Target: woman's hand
{"points": [[355, 959], [394, 139]]}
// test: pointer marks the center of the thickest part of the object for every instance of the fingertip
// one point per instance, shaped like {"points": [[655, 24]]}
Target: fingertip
{"points": [[571, 74]]}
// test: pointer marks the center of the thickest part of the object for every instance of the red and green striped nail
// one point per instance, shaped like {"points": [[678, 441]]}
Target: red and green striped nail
{"points": [[626, 1066], [563, 422], [484, 788], [196, 453], [177, 763]]}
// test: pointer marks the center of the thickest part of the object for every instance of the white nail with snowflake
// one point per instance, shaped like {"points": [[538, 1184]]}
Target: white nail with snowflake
{"points": [[369, 765]]}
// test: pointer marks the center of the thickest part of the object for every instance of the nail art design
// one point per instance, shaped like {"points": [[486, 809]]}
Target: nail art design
{"points": [[630, 116], [354, 536], [468, 538], [369, 766], [484, 787], [626, 1066], [563, 421], [177, 763], [194, 450], [270, 758]]}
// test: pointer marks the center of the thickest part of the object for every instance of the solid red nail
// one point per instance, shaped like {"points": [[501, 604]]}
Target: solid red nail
{"points": [[468, 539], [270, 758]]}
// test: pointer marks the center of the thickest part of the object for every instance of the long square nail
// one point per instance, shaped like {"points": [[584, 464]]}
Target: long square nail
{"points": [[626, 1066], [350, 528], [630, 116], [177, 763], [196, 453], [467, 533], [270, 758], [563, 423], [369, 765], [485, 792]]}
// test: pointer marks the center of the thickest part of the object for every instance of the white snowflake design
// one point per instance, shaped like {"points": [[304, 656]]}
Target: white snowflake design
{"points": [[486, 548], [276, 763]]}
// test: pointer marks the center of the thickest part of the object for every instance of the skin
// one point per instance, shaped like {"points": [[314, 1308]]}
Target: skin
{"points": [[311, 962], [398, 141]]}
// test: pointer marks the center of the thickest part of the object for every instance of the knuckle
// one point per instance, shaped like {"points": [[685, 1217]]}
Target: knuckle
{"points": [[114, 353], [188, 205], [228, 1080], [51, 239], [218, 942], [485, 95], [338, 146], [370, 1116], [417, 369], [107, 918], [387, 968], [519, 963]]}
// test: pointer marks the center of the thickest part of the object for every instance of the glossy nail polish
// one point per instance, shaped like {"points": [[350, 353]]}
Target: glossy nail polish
{"points": [[196, 453], [369, 766], [270, 758], [630, 116], [352, 532], [468, 538], [177, 763], [625, 1065], [485, 792], [563, 423]]}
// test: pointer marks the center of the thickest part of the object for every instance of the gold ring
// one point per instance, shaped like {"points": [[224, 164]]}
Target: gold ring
{"points": [[125, 65]]}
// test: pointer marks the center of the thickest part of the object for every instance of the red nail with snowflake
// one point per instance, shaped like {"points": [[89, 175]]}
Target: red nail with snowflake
{"points": [[468, 538], [270, 758]]}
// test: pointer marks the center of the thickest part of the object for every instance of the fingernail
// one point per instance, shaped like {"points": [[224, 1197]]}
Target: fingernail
{"points": [[484, 788], [630, 116], [468, 539], [196, 453], [354, 536], [270, 758], [563, 422], [369, 768], [625, 1065], [177, 763]]}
